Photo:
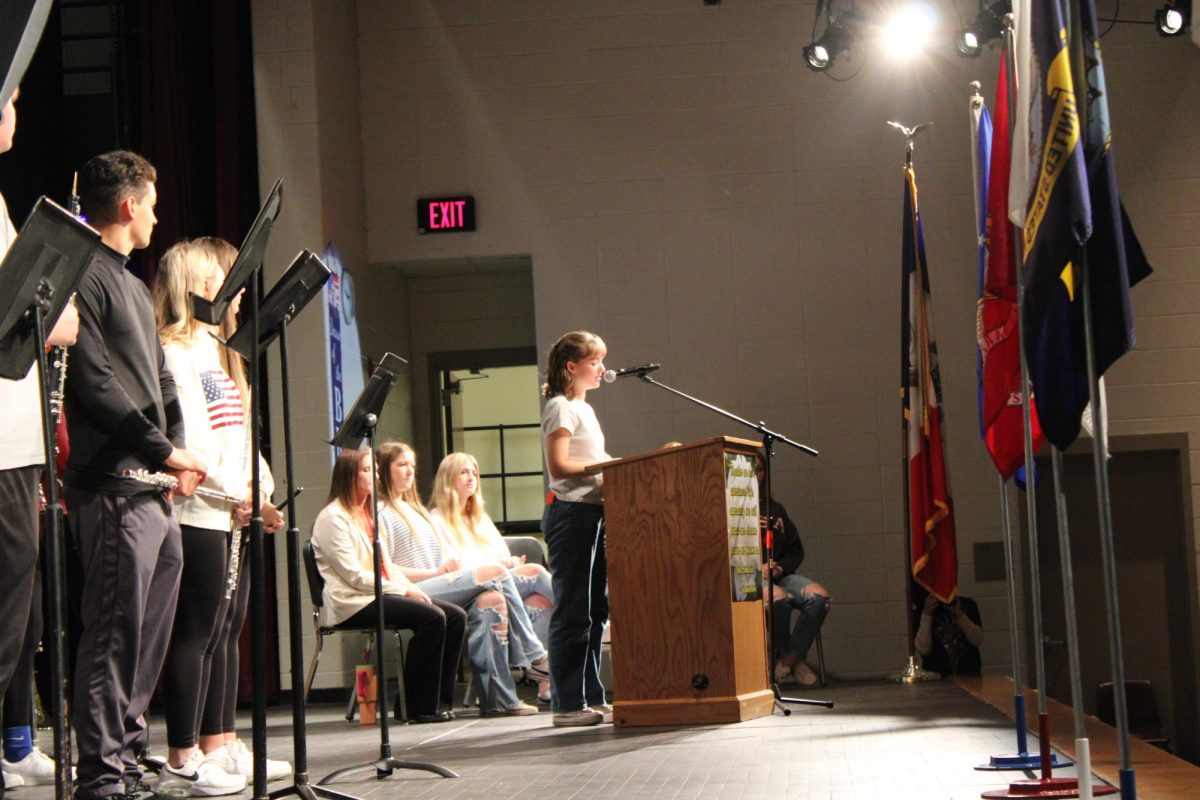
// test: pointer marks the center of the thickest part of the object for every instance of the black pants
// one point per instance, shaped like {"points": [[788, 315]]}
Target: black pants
{"points": [[132, 558], [18, 700], [200, 619], [579, 560], [18, 564], [438, 629], [220, 702]]}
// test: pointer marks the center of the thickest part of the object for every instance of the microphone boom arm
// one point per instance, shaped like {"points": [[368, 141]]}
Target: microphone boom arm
{"points": [[767, 434]]}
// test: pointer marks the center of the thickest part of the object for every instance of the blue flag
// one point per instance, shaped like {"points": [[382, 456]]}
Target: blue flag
{"points": [[981, 153], [1115, 258], [1072, 202]]}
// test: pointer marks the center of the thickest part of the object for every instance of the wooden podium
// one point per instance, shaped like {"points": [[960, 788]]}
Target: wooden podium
{"points": [[686, 648]]}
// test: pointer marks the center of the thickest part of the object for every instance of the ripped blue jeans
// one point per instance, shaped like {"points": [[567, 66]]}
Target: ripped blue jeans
{"points": [[487, 632], [813, 609], [530, 625]]}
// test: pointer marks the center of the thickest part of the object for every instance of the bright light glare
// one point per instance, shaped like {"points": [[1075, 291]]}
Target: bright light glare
{"points": [[1172, 21], [818, 56], [908, 30]]}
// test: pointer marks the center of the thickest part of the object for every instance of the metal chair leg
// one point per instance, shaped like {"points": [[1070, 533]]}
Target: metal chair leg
{"points": [[312, 665], [820, 658]]}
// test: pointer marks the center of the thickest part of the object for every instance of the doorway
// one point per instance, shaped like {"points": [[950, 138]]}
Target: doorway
{"points": [[487, 404], [1156, 576]]}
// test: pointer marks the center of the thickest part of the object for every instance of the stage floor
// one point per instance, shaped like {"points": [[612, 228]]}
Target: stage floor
{"points": [[880, 740]]}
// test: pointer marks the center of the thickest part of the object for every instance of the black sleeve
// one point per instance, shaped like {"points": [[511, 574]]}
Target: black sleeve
{"points": [[971, 609], [790, 551], [96, 385], [171, 405]]}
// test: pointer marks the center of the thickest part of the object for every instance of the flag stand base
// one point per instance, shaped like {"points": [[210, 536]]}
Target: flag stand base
{"points": [[1048, 787], [913, 673], [1015, 761]]}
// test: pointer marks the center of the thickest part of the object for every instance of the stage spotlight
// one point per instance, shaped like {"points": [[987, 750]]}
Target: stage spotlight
{"points": [[839, 35], [988, 25], [1173, 17], [906, 33]]}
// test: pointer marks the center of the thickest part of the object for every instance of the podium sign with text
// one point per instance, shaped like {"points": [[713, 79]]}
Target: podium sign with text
{"points": [[741, 512]]}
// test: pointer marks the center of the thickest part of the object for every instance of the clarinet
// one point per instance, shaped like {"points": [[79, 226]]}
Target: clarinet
{"points": [[60, 352], [58, 366]]}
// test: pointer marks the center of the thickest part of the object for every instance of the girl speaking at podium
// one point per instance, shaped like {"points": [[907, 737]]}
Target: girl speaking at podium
{"points": [[573, 525]]}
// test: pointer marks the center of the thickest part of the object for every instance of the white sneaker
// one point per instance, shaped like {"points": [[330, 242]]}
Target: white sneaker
{"points": [[35, 769], [237, 759], [12, 781], [606, 710], [578, 718], [200, 776]]}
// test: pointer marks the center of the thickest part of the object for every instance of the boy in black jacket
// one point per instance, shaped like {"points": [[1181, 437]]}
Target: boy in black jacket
{"points": [[122, 413]]}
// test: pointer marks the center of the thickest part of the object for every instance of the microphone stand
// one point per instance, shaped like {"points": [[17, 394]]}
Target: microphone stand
{"points": [[769, 437]]}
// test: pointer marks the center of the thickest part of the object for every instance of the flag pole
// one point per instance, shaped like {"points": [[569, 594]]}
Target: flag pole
{"points": [[1100, 468], [1048, 786], [1083, 751], [1021, 759], [912, 672]]}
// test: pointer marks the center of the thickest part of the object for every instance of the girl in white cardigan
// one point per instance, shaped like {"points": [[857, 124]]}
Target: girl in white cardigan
{"points": [[343, 544]]}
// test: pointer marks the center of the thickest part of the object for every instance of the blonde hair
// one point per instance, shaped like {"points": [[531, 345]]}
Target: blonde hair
{"points": [[573, 346], [231, 362], [182, 272], [465, 518]]}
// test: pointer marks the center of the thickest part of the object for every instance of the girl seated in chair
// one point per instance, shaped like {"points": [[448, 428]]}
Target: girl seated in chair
{"points": [[344, 549], [486, 588], [469, 535]]}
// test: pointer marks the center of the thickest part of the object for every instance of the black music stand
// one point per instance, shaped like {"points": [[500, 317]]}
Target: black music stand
{"points": [[359, 424], [249, 259], [245, 270], [21, 26], [769, 437], [303, 279], [37, 278]]}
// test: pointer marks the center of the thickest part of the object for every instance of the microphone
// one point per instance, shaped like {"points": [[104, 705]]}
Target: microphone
{"points": [[612, 374]]}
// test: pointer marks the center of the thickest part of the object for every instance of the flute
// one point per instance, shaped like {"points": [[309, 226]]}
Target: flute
{"points": [[169, 483]]}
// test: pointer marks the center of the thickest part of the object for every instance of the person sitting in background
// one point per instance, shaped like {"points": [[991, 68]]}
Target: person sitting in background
{"points": [[949, 635], [790, 645], [343, 545], [469, 537], [414, 545]]}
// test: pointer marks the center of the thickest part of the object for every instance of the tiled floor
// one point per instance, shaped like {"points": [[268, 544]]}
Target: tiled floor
{"points": [[879, 741]]}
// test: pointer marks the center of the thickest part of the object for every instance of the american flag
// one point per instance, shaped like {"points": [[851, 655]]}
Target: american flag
{"points": [[223, 399]]}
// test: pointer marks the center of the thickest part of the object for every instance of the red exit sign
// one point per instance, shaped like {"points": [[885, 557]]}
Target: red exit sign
{"points": [[446, 214]]}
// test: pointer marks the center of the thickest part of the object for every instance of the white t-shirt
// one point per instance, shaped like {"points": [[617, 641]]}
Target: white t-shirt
{"points": [[587, 444], [20, 401]]}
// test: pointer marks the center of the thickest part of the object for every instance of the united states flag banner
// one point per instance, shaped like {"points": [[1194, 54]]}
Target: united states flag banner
{"points": [[222, 398]]}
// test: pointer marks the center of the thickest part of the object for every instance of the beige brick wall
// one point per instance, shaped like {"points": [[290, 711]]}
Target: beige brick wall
{"points": [[685, 187]]}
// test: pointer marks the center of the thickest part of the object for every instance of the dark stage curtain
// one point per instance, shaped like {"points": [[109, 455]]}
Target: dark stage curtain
{"points": [[196, 118]]}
